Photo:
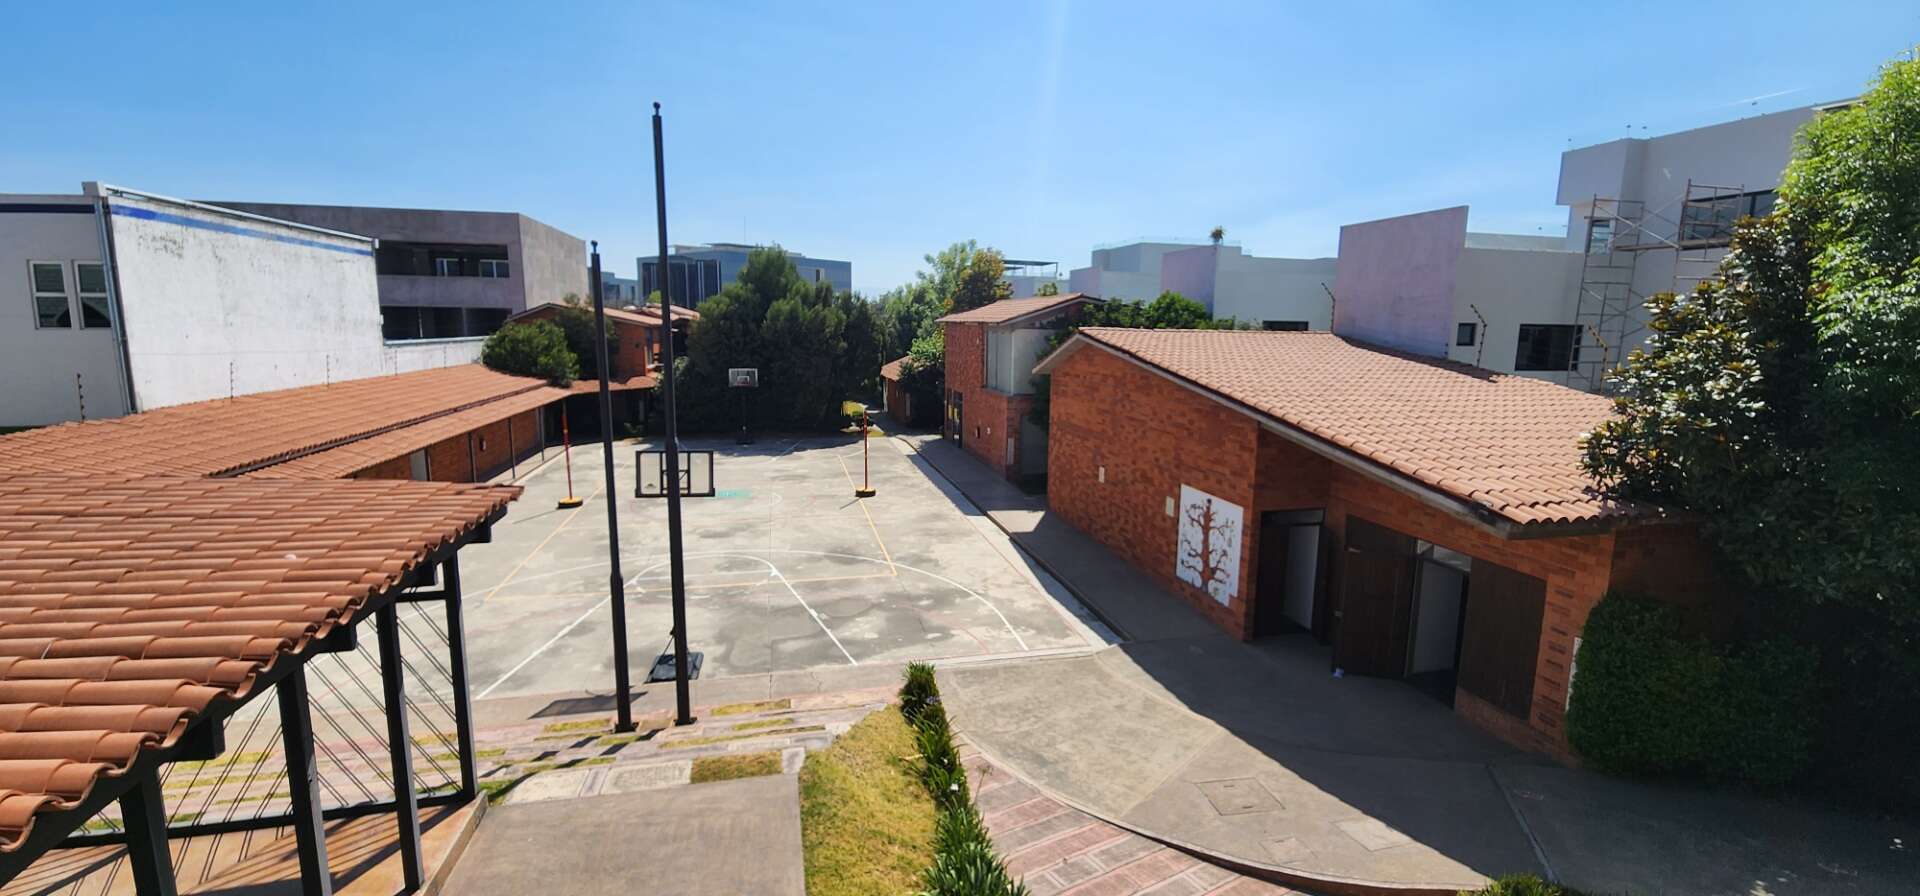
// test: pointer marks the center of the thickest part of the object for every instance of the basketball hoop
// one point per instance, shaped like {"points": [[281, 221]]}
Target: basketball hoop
{"points": [[743, 377]]}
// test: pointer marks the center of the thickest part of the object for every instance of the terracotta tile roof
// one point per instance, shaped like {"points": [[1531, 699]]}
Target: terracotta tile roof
{"points": [[130, 606], [592, 384], [1504, 442], [1009, 310], [223, 436], [351, 458], [648, 316], [891, 369]]}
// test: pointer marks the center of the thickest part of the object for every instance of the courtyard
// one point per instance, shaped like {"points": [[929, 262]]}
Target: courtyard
{"points": [[785, 569]]}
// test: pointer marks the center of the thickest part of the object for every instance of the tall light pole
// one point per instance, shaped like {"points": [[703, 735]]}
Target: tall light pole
{"points": [[623, 693], [676, 560]]}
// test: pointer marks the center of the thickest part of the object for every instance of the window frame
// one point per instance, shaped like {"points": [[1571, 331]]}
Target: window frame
{"points": [[81, 295], [439, 262], [1521, 344], [504, 269], [35, 293], [1466, 333]]}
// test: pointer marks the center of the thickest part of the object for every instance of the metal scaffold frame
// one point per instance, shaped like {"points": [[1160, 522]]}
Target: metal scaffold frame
{"points": [[1612, 309]]}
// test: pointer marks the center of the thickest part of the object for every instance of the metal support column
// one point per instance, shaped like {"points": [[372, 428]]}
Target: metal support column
{"points": [[406, 810], [457, 666], [144, 812], [303, 783]]}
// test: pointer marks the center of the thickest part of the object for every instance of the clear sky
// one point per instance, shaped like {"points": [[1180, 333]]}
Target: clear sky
{"points": [[880, 131]]}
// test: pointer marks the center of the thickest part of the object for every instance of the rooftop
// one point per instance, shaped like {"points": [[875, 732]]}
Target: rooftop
{"points": [[131, 607], [891, 369], [1007, 311], [1504, 443]]}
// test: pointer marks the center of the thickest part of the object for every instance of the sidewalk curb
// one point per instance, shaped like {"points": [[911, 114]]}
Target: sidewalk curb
{"points": [[1329, 884], [1014, 539], [438, 881]]}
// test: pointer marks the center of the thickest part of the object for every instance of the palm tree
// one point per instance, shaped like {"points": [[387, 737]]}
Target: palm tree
{"points": [[1217, 234]]}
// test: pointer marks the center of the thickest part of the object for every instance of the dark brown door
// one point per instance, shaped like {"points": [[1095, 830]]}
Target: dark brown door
{"points": [[1376, 601], [1501, 643]]}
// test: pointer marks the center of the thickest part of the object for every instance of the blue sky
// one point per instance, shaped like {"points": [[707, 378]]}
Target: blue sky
{"points": [[878, 132]]}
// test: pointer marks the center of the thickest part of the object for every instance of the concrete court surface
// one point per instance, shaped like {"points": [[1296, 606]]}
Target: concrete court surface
{"points": [[723, 838], [786, 571]]}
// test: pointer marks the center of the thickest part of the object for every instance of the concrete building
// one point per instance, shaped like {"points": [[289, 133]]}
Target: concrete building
{"points": [[1274, 293], [1644, 216], [990, 353], [619, 292], [452, 274], [1026, 277], [1429, 521], [700, 272], [122, 301]]}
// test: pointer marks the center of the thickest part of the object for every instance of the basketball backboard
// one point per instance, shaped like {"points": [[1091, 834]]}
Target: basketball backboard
{"points": [[743, 377], [696, 473]]}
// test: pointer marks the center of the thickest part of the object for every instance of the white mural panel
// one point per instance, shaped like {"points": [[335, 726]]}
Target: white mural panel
{"points": [[1208, 557]]}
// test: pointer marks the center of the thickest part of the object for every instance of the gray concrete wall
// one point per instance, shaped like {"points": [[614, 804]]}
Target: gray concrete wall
{"points": [[1395, 280], [39, 366], [552, 263]]}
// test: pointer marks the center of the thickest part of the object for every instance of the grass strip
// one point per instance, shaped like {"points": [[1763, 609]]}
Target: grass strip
{"points": [[735, 765]]}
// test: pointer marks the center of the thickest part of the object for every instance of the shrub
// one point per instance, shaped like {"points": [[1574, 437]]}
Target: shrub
{"points": [[1520, 885], [1650, 699], [535, 348], [964, 863], [1643, 695]]}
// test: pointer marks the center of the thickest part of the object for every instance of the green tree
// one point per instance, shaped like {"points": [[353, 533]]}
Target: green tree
{"points": [[577, 323], [1048, 288], [535, 348], [1169, 311], [1781, 403], [982, 281], [923, 377]]}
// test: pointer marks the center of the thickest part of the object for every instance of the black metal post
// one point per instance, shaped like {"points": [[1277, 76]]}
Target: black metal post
{"points": [[144, 812], [457, 666], [676, 560], [406, 811], [303, 783], [616, 583]]}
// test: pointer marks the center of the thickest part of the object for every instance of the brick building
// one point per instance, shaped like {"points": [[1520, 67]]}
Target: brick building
{"points": [[990, 352], [1428, 520], [894, 397], [636, 342]]}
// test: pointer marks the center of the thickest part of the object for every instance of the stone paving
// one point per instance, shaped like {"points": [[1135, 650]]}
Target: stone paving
{"points": [[1060, 851]]}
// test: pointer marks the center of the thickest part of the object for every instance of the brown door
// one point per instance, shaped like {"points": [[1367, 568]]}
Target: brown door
{"points": [[1376, 601], [1501, 642]]}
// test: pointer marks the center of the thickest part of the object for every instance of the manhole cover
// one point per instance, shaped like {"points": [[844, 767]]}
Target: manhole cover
{"points": [[1238, 796], [1372, 833]]}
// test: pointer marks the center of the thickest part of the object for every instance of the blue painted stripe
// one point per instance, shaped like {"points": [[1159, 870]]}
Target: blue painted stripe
{"points": [[148, 214]]}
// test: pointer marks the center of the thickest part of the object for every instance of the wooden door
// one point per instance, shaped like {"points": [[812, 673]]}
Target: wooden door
{"points": [[1376, 601], [1501, 644], [1270, 579]]}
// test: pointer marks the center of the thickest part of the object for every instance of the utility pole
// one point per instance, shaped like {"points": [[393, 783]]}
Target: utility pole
{"points": [[676, 560], [623, 694]]}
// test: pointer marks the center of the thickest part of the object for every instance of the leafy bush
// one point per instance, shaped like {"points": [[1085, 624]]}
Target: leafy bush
{"points": [[964, 863], [535, 348], [1520, 885], [576, 322], [1650, 699]]}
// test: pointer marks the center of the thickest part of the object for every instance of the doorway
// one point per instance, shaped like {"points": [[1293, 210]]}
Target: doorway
{"points": [[1290, 591], [1439, 617]]}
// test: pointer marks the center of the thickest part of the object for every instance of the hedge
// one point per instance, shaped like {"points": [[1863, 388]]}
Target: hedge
{"points": [[964, 863], [1649, 699]]}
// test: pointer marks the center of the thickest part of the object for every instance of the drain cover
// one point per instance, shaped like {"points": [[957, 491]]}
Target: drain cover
{"points": [[1238, 796], [663, 667]]}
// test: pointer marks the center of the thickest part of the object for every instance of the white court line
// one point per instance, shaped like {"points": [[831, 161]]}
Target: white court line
{"points": [[811, 612], [543, 648]]}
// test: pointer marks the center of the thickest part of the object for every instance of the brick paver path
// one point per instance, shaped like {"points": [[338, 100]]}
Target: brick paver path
{"points": [[1061, 851]]}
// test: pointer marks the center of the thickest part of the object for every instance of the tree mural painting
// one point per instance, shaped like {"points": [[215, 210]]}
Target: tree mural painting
{"points": [[1209, 551]]}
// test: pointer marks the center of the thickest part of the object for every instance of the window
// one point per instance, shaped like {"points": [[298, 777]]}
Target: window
{"points": [[1547, 347], [446, 267], [51, 308], [1290, 326], [1710, 221], [493, 267], [1465, 333], [92, 279], [1599, 236]]}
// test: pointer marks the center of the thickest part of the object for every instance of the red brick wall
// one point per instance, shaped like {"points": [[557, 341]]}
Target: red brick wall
{"points": [[632, 349], [991, 417], [449, 460], [397, 468], [899, 406], [1152, 435]]}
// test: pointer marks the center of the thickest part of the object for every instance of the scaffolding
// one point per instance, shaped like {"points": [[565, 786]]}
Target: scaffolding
{"points": [[1695, 228]]}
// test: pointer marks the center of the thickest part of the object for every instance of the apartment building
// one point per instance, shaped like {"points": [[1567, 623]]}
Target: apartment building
{"points": [[619, 292], [1273, 293], [121, 301], [446, 274], [1645, 215], [700, 272], [1027, 277]]}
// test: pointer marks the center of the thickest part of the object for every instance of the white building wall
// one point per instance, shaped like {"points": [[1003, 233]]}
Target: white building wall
{"points": [[1011, 356], [46, 371], [1510, 287], [1254, 289], [426, 354], [219, 304]]}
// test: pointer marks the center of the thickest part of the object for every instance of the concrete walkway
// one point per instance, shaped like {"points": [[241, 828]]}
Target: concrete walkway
{"points": [[727, 837], [1254, 753]]}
